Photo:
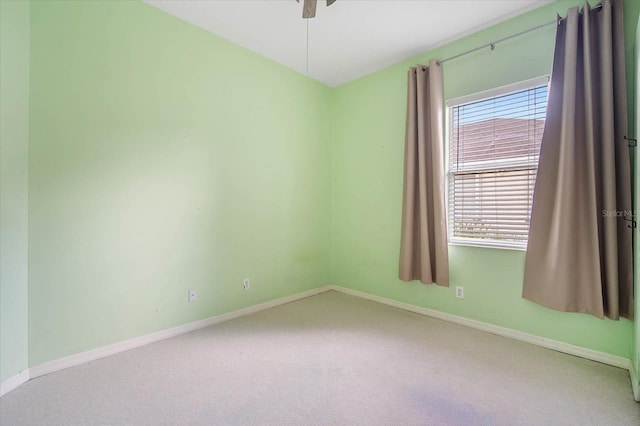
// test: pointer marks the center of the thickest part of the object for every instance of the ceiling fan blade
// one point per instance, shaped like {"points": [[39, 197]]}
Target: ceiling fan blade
{"points": [[330, 2], [309, 9]]}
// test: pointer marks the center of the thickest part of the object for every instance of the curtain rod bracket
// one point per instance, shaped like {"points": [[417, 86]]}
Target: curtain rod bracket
{"points": [[632, 142]]}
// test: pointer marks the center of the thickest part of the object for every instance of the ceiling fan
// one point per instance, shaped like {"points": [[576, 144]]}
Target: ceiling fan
{"points": [[309, 8]]}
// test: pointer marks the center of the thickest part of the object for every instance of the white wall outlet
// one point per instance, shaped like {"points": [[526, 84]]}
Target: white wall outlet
{"points": [[459, 292], [193, 295], [246, 283]]}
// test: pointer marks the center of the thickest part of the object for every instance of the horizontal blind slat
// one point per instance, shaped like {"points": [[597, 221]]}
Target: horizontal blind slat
{"points": [[493, 156]]}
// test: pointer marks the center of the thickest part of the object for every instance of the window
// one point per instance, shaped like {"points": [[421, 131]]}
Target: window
{"points": [[494, 147]]}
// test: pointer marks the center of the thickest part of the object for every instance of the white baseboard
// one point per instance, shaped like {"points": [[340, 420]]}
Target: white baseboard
{"points": [[635, 382], [14, 381], [93, 354], [80, 358], [567, 348]]}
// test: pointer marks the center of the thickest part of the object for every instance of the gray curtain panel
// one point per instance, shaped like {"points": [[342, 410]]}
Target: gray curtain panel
{"points": [[579, 256], [424, 250]]}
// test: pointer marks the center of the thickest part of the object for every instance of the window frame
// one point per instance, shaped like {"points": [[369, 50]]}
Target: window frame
{"points": [[475, 97]]}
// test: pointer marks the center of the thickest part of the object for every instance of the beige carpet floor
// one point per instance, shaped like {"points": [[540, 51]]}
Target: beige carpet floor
{"points": [[331, 359]]}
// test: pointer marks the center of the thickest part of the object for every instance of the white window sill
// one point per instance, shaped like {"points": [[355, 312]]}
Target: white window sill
{"points": [[487, 244]]}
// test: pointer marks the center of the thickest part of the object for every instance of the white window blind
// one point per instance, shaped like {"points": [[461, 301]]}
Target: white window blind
{"points": [[494, 147]]}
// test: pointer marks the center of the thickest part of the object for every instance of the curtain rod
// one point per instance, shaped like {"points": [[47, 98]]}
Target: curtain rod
{"points": [[492, 45]]}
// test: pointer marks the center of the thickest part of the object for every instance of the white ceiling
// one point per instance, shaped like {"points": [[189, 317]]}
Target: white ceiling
{"points": [[349, 39]]}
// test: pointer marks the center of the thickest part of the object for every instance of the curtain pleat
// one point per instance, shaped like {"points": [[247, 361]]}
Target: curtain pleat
{"points": [[579, 255], [424, 249]]}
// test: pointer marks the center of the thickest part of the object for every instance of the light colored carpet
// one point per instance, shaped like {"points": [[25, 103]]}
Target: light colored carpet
{"points": [[331, 359]]}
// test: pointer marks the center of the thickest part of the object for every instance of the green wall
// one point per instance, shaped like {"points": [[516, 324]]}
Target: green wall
{"points": [[14, 140], [163, 158], [369, 117]]}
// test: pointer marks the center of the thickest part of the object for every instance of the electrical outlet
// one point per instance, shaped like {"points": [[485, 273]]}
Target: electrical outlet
{"points": [[246, 284], [459, 292], [192, 295]]}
